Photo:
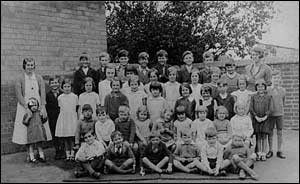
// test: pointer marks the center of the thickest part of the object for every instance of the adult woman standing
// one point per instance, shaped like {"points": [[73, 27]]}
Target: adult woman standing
{"points": [[258, 70], [28, 85]]}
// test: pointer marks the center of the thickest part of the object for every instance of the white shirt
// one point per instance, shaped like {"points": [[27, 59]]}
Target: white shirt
{"points": [[104, 130], [104, 89], [241, 125]]}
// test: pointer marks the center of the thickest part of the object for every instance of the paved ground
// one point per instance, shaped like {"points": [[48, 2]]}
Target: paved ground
{"points": [[274, 170]]}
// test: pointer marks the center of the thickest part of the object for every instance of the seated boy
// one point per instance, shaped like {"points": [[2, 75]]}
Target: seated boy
{"points": [[120, 157], [212, 154], [240, 157], [127, 127], [156, 155], [90, 155], [187, 154]]}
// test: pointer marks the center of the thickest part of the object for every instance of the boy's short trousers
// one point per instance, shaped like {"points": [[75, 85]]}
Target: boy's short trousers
{"points": [[212, 162], [278, 120]]}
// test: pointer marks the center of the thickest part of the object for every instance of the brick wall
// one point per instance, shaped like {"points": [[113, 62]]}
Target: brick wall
{"points": [[54, 33]]}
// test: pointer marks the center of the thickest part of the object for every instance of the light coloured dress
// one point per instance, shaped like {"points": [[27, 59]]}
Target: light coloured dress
{"points": [[91, 98], [104, 89], [67, 119], [199, 128], [156, 106], [135, 100], [180, 126], [196, 92], [172, 93], [20, 130]]}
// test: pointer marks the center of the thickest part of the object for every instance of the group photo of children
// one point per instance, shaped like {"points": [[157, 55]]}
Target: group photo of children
{"points": [[125, 119]]}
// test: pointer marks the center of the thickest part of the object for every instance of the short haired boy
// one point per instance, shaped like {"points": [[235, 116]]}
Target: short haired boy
{"points": [[90, 155], [53, 110], [162, 66], [104, 59], [187, 154], [231, 76], [278, 94], [205, 73], [184, 74], [240, 157], [84, 125], [126, 126], [143, 70], [104, 126], [120, 157], [212, 154], [156, 155], [122, 58], [84, 71]]}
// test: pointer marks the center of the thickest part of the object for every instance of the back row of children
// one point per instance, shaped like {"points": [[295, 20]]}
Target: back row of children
{"points": [[166, 100]]}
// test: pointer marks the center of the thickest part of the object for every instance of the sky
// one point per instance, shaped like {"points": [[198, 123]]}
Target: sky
{"points": [[284, 28]]}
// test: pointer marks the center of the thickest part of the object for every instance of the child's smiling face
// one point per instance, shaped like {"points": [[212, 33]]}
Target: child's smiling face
{"points": [[123, 60], [67, 88], [260, 88], [172, 76], [118, 140], [85, 62], [134, 85], [221, 115], [143, 62], [89, 138], [195, 77], [115, 86], [104, 60], [188, 59], [181, 116], [102, 117], [88, 86], [143, 115], [237, 141], [54, 85], [153, 77], [155, 92], [123, 116], [242, 85], [202, 115], [185, 92], [110, 73], [162, 60]]}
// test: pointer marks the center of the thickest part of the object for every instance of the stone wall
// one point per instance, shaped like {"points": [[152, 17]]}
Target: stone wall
{"points": [[54, 33]]}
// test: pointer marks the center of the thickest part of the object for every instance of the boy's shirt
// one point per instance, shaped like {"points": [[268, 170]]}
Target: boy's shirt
{"points": [[125, 152], [96, 149], [231, 150], [212, 152], [278, 95], [127, 128], [83, 127], [143, 75], [187, 150], [184, 74], [104, 130], [232, 81], [162, 72]]}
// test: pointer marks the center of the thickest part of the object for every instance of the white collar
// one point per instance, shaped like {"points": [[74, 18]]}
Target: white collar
{"points": [[223, 96]]}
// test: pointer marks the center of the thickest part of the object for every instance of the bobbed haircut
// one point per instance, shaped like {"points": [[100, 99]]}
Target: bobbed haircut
{"points": [[260, 81], [87, 107], [116, 79], [66, 81], [185, 85], [142, 108], [26, 60], [222, 109], [244, 78], [89, 79], [156, 85]]}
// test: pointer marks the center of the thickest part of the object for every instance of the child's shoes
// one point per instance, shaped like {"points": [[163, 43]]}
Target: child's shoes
{"points": [[96, 175]]}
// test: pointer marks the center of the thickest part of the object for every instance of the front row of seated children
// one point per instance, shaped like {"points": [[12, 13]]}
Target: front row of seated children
{"points": [[120, 155]]}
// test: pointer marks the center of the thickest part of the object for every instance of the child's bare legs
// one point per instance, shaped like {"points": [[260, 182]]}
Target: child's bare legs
{"points": [[117, 169], [245, 166], [71, 143], [67, 148], [31, 152], [259, 145], [181, 167], [41, 152], [264, 146], [154, 167]]}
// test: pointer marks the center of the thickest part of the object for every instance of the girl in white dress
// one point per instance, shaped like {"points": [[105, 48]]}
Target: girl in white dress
{"points": [[172, 88], [196, 86], [28, 85], [88, 97], [67, 119]]}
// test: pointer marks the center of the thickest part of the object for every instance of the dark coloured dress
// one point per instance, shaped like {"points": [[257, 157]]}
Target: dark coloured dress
{"points": [[260, 106], [210, 109], [190, 106], [228, 102], [35, 130]]}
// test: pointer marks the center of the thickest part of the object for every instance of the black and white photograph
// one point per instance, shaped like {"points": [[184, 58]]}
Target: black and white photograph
{"points": [[150, 91]]}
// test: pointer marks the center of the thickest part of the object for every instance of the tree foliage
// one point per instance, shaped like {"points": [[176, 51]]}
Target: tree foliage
{"points": [[177, 26]]}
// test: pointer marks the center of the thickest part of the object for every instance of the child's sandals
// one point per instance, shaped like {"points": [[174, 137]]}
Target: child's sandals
{"points": [[33, 160]]}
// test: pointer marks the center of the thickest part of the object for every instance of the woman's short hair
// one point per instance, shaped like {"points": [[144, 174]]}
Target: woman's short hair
{"points": [[26, 60], [186, 85]]}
